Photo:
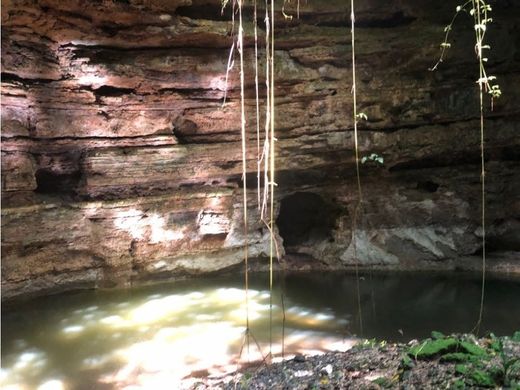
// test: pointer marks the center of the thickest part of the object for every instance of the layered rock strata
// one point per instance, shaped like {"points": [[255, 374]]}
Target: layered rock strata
{"points": [[121, 163]]}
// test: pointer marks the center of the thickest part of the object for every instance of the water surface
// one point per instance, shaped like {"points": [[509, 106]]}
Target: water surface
{"points": [[152, 337]]}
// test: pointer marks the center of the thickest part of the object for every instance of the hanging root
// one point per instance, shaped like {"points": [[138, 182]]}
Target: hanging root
{"points": [[257, 103], [358, 176], [479, 10], [479, 15]]}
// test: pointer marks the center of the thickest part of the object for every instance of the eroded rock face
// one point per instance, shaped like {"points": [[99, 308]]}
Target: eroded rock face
{"points": [[120, 163]]}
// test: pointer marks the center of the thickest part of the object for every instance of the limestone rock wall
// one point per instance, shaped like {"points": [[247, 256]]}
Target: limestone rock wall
{"points": [[120, 163]]}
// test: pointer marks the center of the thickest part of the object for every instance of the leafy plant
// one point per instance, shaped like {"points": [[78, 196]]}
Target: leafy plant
{"points": [[475, 365], [479, 10], [431, 348], [374, 158]]}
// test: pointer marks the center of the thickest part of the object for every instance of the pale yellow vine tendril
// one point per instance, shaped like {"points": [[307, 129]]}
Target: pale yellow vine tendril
{"points": [[265, 152], [257, 101], [445, 45], [479, 10], [287, 16], [240, 47], [356, 147], [230, 62], [271, 184], [479, 34]]}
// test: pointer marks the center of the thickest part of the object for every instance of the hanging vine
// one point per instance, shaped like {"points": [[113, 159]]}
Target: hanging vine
{"points": [[356, 117], [257, 106], [265, 156], [271, 184], [479, 10], [240, 47]]}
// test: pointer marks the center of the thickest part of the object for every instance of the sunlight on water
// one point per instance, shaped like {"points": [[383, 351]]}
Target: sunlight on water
{"points": [[170, 334], [156, 337]]}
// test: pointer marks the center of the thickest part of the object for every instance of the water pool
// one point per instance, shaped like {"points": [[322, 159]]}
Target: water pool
{"points": [[153, 336]]}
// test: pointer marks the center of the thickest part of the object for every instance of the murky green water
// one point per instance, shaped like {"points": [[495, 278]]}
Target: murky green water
{"points": [[151, 337]]}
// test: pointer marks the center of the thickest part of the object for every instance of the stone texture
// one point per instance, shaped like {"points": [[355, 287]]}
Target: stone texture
{"points": [[120, 163]]}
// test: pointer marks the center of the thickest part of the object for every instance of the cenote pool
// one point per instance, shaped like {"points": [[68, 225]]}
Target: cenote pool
{"points": [[152, 337]]}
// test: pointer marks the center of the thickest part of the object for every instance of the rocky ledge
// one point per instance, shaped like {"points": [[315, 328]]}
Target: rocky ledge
{"points": [[441, 362]]}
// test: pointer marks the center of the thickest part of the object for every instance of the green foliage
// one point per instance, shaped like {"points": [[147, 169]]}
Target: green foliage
{"points": [[366, 344], [481, 378], [437, 335], [461, 369], [510, 367], [476, 375], [431, 348], [244, 381], [449, 349], [496, 344], [362, 115], [456, 357], [374, 158], [475, 365], [473, 349], [479, 10], [406, 362]]}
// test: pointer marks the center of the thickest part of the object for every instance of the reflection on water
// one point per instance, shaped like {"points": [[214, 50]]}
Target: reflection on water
{"points": [[152, 337]]}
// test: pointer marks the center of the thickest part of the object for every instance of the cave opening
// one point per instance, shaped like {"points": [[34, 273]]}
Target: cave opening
{"points": [[305, 218], [49, 182]]}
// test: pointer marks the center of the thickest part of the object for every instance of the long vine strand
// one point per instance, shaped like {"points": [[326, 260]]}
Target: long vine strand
{"points": [[257, 103], [240, 47], [480, 30], [271, 184], [479, 10], [230, 61], [265, 152], [356, 117]]}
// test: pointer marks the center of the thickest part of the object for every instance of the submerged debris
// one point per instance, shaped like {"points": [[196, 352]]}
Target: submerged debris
{"points": [[447, 362]]}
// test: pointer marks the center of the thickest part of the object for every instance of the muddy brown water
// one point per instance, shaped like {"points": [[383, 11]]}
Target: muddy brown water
{"points": [[153, 336]]}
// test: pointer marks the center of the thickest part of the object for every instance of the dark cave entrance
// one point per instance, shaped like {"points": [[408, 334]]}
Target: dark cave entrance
{"points": [[305, 218], [49, 182]]}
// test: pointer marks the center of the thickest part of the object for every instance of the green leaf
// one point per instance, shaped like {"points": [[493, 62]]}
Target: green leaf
{"points": [[406, 362], [455, 357], [473, 349], [437, 335], [496, 345], [482, 378], [461, 369], [362, 115], [431, 348]]}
